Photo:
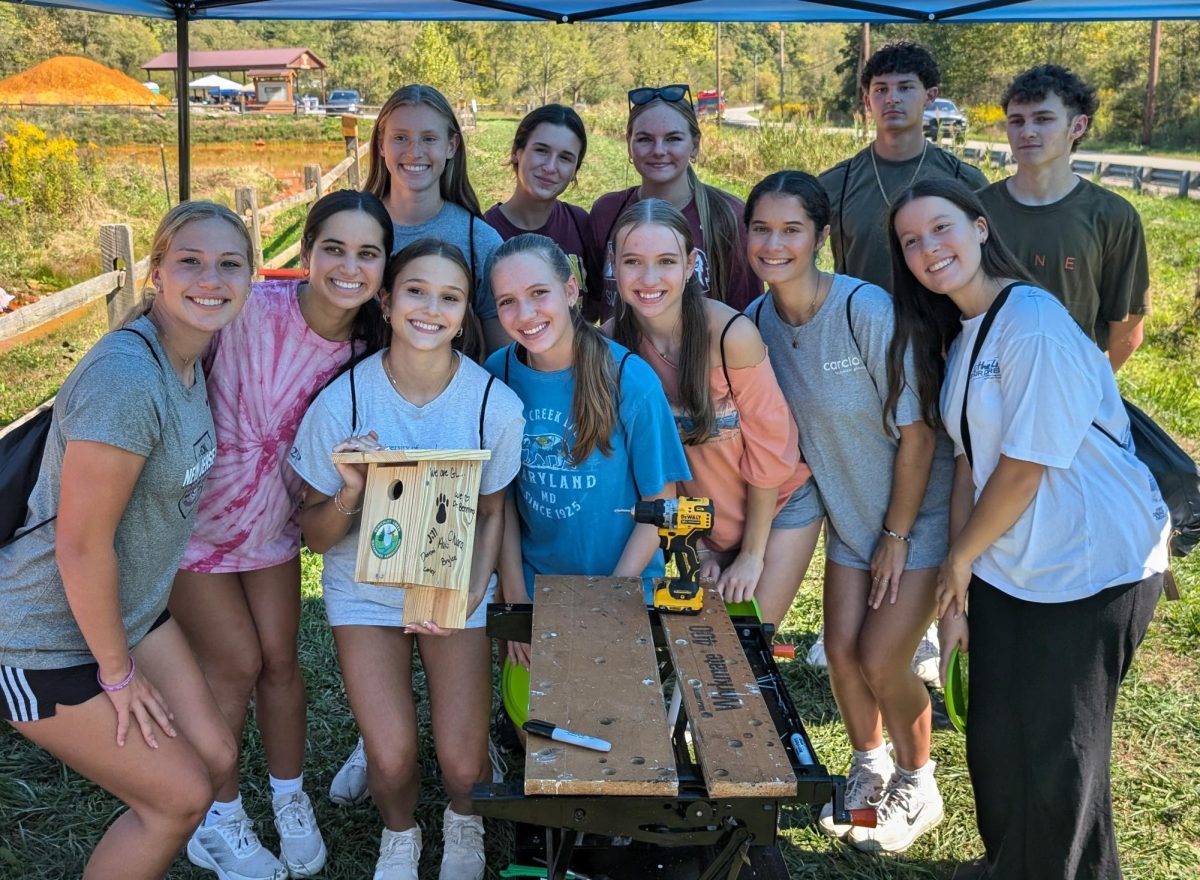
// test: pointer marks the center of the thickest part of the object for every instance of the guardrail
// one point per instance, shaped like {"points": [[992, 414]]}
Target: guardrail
{"points": [[123, 276], [1181, 180]]}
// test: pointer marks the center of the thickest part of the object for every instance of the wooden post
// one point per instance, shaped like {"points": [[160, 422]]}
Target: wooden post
{"points": [[781, 71], [312, 179], [246, 200], [350, 133], [116, 253], [719, 72]]}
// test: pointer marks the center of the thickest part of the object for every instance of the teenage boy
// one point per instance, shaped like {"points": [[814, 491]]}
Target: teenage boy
{"points": [[899, 81], [1080, 241]]}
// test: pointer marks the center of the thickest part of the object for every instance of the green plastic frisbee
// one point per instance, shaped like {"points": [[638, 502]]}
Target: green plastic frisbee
{"points": [[956, 690]]}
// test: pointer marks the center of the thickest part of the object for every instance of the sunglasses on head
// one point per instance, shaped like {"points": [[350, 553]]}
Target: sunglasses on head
{"points": [[671, 94]]}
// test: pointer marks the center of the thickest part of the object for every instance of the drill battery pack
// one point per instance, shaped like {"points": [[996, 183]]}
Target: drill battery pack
{"points": [[674, 596]]}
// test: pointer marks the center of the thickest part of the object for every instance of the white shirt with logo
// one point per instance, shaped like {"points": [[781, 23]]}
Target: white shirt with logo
{"points": [[1038, 385]]}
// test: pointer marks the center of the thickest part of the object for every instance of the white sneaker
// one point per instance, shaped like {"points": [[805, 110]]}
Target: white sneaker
{"points": [[399, 855], [499, 765], [462, 855], [865, 783], [301, 848], [907, 808], [349, 785], [816, 654], [928, 658], [231, 849]]}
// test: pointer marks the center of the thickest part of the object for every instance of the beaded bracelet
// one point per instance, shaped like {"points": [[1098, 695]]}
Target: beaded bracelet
{"points": [[337, 504], [120, 685], [907, 539]]}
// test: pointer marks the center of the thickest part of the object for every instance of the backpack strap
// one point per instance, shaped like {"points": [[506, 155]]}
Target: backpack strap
{"points": [[507, 355], [353, 403], [621, 372], [758, 312], [487, 391], [988, 320], [721, 344], [854, 336], [617, 216], [142, 336]]}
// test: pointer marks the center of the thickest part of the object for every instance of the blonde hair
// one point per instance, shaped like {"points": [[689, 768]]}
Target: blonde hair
{"points": [[593, 404], [716, 216], [454, 185]]}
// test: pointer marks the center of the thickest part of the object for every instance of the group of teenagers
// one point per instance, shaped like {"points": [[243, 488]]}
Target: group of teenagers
{"points": [[932, 405]]}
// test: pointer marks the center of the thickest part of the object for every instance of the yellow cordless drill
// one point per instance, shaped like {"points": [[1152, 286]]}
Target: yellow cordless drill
{"points": [[681, 523]]}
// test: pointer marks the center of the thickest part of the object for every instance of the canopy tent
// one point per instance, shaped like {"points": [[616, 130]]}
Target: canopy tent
{"points": [[566, 11], [212, 81]]}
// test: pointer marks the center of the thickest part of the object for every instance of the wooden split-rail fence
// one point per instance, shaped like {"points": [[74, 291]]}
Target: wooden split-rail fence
{"points": [[121, 282]]}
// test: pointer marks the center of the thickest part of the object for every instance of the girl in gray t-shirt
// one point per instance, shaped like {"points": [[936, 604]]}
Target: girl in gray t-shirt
{"points": [[92, 668], [885, 486]]}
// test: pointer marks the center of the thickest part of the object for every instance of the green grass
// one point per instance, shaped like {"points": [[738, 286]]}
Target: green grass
{"points": [[51, 818]]}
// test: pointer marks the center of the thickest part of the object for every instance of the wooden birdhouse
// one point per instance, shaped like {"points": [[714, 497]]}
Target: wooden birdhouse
{"points": [[418, 527]]}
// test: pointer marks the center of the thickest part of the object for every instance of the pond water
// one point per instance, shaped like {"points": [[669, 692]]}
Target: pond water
{"points": [[283, 161]]}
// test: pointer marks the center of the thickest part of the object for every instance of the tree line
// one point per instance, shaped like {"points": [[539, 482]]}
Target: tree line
{"points": [[532, 63]]}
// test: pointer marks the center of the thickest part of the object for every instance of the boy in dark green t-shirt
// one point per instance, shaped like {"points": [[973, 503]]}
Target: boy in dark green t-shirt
{"points": [[899, 81], [1080, 241]]}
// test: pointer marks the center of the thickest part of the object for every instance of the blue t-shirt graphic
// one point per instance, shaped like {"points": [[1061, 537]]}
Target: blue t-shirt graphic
{"points": [[567, 521]]}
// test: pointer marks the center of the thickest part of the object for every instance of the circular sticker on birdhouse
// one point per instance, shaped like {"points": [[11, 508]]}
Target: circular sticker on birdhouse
{"points": [[385, 538]]}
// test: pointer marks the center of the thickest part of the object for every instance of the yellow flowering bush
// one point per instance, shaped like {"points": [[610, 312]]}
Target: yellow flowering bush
{"points": [[44, 173]]}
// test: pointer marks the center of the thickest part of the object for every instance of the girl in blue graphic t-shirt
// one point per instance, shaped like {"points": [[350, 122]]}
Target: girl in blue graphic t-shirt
{"points": [[599, 433]]}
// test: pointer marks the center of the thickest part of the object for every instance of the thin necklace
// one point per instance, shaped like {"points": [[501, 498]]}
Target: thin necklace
{"points": [[387, 371], [912, 180], [812, 309]]}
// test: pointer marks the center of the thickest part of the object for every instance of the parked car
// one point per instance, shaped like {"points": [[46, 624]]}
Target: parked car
{"points": [[343, 101], [943, 118]]}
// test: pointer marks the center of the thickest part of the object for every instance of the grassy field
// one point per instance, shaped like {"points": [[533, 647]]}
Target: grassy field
{"points": [[51, 818]]}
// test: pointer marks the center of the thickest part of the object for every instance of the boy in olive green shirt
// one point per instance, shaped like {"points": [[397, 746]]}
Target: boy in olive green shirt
{"points": [[899, 81], [1080, 241]]}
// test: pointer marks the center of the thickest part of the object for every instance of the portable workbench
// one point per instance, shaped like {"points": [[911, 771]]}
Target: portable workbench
{"points": [[696, 795]]}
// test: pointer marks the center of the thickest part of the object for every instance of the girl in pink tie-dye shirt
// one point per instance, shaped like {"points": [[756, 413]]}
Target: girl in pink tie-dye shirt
{"points": [[237, 594]]}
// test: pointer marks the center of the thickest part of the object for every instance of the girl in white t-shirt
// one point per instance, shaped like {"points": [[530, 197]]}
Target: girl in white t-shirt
{"points": [[1058, 533], [418, 393]]}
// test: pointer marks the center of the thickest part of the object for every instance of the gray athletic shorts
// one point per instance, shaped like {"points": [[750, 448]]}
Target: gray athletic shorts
{"points": [[346, 606], [930, 541], [802, 508]]}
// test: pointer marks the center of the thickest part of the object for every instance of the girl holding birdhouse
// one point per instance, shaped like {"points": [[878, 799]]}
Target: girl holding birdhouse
{"points": [[421, 392]]}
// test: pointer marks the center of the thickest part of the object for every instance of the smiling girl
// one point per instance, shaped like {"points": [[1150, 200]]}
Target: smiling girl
{"points": [[1058, 533], [547, 153], [883, 478], [741, 441], [93, 669], [419, 393], [598, 432], [237, 595], [419, 171], [663, 138]]}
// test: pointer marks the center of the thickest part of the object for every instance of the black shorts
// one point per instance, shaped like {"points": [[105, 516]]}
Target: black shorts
{"points": [[35, 694]]}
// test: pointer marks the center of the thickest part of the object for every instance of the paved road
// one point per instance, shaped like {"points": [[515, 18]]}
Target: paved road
{"points": [[741, 117]]}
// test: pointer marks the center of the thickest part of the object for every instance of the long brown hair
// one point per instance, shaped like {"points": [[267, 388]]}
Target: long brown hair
{"points": [[454, 185], [695, 393], [928, 322], [595, 400], [471, 341], [717, 219]]}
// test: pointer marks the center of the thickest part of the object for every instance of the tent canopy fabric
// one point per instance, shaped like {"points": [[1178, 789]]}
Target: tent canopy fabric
{"points": [[961, 11], [212, 81]]}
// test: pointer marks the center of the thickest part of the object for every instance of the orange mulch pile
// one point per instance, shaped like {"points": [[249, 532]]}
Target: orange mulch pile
{"points": [[71, 79]]}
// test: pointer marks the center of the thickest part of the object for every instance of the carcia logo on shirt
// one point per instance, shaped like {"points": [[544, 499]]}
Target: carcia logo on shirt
{"points": [[850, 364]]}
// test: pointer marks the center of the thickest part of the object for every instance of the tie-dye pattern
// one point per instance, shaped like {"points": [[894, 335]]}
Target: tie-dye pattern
{"points": [[265, 370]]}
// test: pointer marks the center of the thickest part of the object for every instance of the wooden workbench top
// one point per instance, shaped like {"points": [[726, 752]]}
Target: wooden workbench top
{"points": [[593, 671]]}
